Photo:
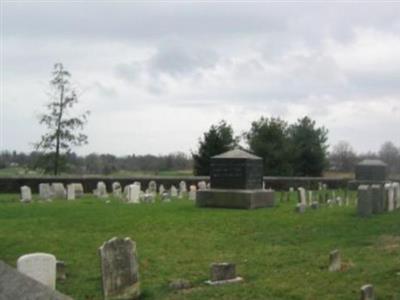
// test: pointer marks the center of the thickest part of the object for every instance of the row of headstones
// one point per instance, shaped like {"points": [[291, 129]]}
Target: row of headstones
{"points": [[55, 190], [120, 270], [313, 200], [378, 198], [132, 193]]}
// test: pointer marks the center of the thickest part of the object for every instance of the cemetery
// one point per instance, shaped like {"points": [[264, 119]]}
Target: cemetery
{"points": [[166, 242]]}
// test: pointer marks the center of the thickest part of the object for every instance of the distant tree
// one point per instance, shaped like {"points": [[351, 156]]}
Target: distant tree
{"points": [[268, 138], [63, 130], [343, 158], [218, 139], [390, 154], [308, 148]]}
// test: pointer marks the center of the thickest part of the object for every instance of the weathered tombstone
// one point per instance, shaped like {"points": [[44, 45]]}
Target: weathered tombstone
{"points": [[79, 192], [61, 273], [339, 200], [71, 191], [44, 191], [161, 189], [192, 192], [119, 269], [133, 195], [165, 197], [310, 197], [26, 194], [152, 187], [202, 185], [236, 180], [315, 205], [396, 196], [39, 266], [389, 197], [378, 198], [301, 192], [173, 191], [58, 190], [15, 285], [367, 292], [149, 197], [116, 189], [183, 192], [364, 203], [335, 262], [300, 208], [222, 273], [101, 189]]}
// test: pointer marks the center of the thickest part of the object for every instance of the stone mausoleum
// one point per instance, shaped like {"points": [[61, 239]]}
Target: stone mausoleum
{"points": [[236, 179]]}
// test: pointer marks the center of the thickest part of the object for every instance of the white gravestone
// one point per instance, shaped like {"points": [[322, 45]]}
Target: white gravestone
{"points": [[302, 195], [389, 195], [161, 189], [152, 187], [202, 185], [396, 194], [133, 193], [117, 189], [173, 191], [182, 190], [26, 194], [78, 190], [192, 192], [71, 191], [44, 191], [101, 189], [39, 266], [58, 190]]}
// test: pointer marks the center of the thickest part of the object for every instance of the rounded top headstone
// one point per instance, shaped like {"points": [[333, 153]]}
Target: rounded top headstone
{"points": [[237, 154]]}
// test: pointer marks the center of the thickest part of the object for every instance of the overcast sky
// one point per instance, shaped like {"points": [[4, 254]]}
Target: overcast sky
{"points": [[156, 76]]}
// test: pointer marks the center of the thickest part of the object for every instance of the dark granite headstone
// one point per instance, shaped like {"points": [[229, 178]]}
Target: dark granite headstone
{"points": [[236, 182], [15, 285], [236, 169], [371, 170]]}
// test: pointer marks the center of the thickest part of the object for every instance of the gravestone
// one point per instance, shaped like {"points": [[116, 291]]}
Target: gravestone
{"points": [[58, 190], [71, 191], [183, 192], [236, 182], [367, 292], [152, 187], [161, 189], [222, 273], [300, 208], [61, 273], [335, 262], [116, 189], [39, 266], [101, 190], [26, 194], [202, 185], [119, 269], [173, 191], [389, 197], [44, 191], [378, 198], [15, 285], [396, 196], [301, 192], [364, 203], [192, 192], [133, 194], [371, 170], [79, 192]]}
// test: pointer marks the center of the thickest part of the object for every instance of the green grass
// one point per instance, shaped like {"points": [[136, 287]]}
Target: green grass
{"points": [[280, 254]]}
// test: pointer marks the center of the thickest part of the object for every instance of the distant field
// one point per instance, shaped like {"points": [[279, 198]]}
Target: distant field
{"points": [[280, 254]]}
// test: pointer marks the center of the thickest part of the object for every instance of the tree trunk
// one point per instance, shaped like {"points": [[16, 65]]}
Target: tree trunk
{"points": [[57, 154]]}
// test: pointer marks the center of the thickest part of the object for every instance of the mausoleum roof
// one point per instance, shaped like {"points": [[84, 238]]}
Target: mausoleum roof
{"points": [[371, 162], [237, 154]]}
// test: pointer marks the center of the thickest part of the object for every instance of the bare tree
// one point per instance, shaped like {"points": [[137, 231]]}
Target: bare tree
{"points": [[390, 154], [63, 130], [343, 158]]}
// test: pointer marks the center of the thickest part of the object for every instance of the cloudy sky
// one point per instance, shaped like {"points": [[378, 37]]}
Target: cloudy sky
{"points": [[156, 76]]}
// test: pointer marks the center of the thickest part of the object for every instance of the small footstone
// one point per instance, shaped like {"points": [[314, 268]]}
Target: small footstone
{"points": [[180, 284], [367, 292], [60, 270], [335, 262], [223, 273], [300, 208]]}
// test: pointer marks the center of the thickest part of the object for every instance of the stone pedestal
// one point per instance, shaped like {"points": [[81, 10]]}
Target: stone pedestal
{"points": [[225, 198]]}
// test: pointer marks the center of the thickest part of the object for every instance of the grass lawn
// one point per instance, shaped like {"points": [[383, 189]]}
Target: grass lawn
{"points": [[280, 254]]}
